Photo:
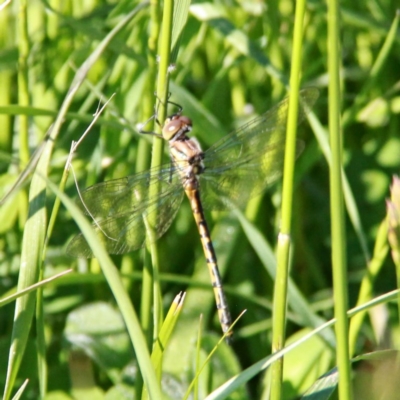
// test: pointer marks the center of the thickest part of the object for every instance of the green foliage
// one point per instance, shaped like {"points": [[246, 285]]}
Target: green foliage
{"points": [[81, 338]]}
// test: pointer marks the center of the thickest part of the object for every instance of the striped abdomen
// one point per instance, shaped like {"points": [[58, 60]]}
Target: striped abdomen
{"points": [[209, 252]]}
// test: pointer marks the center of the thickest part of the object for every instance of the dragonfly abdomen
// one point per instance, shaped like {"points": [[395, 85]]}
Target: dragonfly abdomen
{"points": [[211, 259]]}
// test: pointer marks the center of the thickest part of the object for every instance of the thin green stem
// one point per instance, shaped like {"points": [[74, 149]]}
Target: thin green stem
{"points": [[366, 289], [23, 100], [162, 93], [338, 234], [143, 161], [283, 250], [156, 159], [23, 91], [149, 321], [157, 152]]}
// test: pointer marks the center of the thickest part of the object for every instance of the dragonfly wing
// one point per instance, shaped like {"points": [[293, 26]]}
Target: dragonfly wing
{"points": [[125, 211], [246, 161]]}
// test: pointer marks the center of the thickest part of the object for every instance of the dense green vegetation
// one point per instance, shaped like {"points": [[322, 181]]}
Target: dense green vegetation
{"points": [[77, 337]]}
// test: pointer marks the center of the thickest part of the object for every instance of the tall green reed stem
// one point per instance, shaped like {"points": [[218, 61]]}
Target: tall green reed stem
{"points": [[162, 94], [157, 149], [151, 281], [143, 161], [339, 266], [284, 240]]}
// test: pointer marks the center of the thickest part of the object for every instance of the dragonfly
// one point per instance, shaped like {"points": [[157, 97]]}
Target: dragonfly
{"points": [[237, 167]]}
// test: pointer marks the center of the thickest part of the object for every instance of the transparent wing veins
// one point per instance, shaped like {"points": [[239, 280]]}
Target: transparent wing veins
{"points": [[246, 161], [120, 208]]}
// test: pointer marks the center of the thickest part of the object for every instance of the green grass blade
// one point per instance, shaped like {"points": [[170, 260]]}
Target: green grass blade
{"points": [[116, 284], [296, 300], [32, 249], [12, 297], [181, 12], [21, 390], [167, 328], [241, 379], [157, 150]]}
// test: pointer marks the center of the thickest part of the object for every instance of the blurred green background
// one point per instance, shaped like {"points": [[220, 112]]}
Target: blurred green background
{"points": [[233, 63]]}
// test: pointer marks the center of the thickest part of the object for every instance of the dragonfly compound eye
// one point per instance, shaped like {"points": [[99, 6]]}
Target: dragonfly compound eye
{"points": [[239, 166], [176, 127], [186, 121]]}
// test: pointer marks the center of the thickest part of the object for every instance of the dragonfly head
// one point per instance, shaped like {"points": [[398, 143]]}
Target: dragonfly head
{"points": [[176, 127]]}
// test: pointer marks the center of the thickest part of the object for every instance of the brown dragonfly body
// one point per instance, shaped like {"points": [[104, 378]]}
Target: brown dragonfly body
{"points": [[236, 168]]}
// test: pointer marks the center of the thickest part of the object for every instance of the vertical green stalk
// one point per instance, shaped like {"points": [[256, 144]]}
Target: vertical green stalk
{"points": [[149, 284], [381, 246], [6, 79], [283, 249], [338, 233], [156, 159], [163, 76], [23, 91], [23, 100], [143, 161]]}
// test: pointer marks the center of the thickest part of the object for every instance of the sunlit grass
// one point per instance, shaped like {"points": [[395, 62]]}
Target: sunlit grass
{"points": [[233, 63]]}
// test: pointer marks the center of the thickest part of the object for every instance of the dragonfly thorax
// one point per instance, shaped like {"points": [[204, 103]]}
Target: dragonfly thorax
{"points": [[126, 210], [187, 156], [176, 127]]}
